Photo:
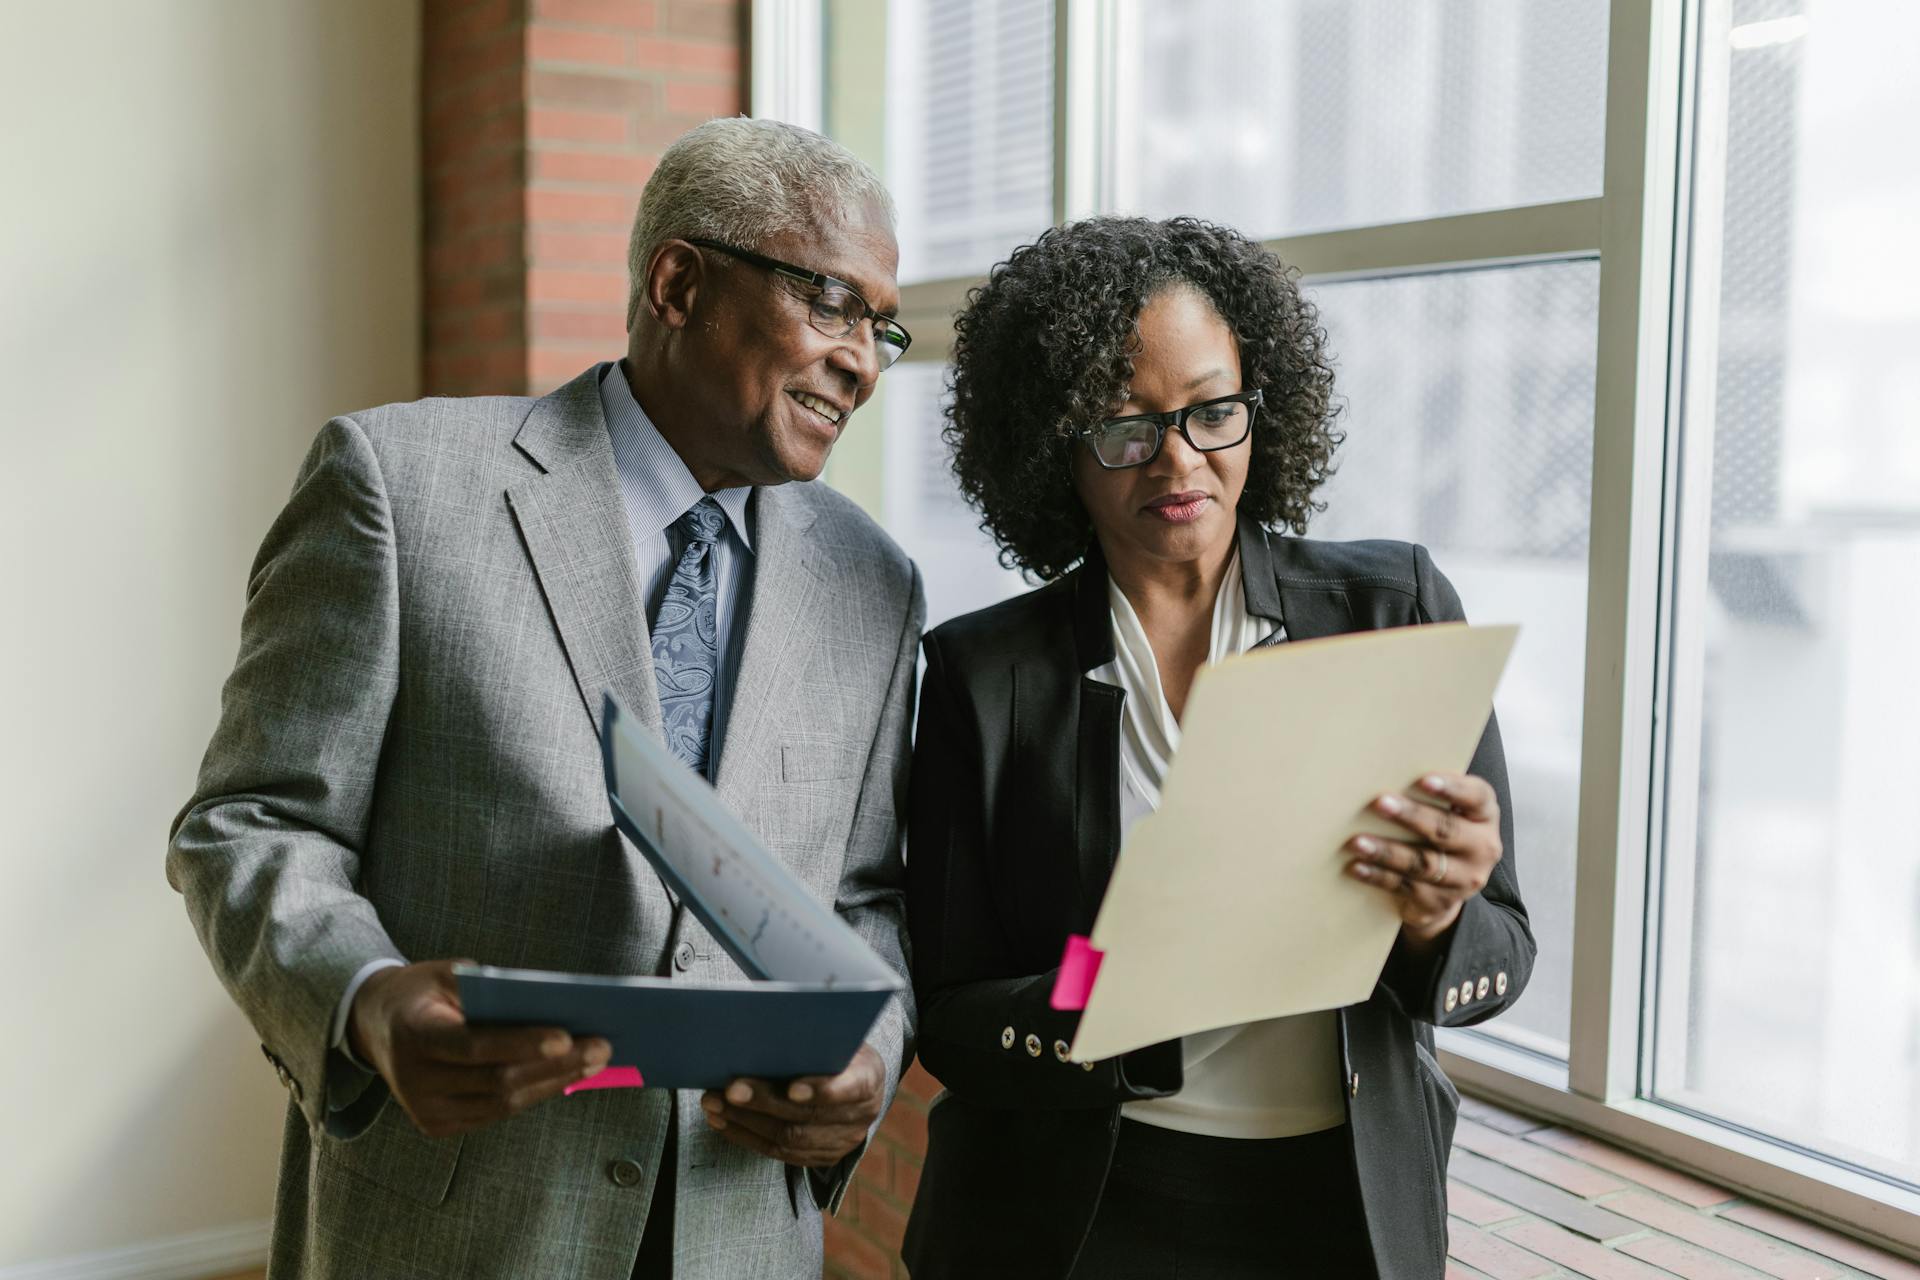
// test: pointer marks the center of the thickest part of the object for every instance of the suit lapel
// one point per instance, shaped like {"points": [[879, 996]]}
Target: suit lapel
{"points": [[576, 533], [785, 622]]}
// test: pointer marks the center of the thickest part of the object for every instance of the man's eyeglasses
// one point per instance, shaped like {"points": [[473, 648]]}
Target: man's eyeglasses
{"points": [[1135, 441], [836, 307]]}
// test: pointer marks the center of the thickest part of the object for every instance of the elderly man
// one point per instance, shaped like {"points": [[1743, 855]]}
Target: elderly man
{"points": [[406, 769]]}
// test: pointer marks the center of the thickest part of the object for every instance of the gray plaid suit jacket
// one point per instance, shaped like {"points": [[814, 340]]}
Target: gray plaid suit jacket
{"points": [[406, 765]]}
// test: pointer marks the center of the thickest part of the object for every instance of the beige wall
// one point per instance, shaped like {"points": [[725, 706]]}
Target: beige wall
{"points": [[208, 242]]}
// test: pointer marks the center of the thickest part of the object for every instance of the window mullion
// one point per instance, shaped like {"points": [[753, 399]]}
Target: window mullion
{"points": [[1630, 411], [1083, 72]]}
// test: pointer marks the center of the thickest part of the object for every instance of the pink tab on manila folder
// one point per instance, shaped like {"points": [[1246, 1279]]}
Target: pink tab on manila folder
{"points": [[1079, 966], [608, 1078]]}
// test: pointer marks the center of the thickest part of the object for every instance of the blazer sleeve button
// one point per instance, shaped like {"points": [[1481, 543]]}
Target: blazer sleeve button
{"points": [[1480, 989], [1006, 1037], [1353, 1085], [1453, 998], [1060, 1050], [1500, 984], [1033, 1045]]}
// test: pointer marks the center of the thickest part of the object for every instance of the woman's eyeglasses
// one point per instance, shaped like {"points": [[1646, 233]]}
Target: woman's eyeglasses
{"points": [[1211, 425]]}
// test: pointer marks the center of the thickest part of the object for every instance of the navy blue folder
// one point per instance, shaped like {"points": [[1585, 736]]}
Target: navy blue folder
{"points": [[817, 987], [680, 1035]]}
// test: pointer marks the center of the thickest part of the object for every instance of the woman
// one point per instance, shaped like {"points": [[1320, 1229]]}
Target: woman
{"points": [[1148, 401]]}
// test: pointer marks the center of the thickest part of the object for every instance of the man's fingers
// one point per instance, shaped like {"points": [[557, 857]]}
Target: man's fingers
{"points": [[775, 1101], [517, 1083], [764, 1097], [860, 1085], [812, 1145], [480, 1046]]}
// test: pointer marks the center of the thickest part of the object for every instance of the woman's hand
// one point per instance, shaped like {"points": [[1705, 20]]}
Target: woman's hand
{"points": [[1450, 849]]}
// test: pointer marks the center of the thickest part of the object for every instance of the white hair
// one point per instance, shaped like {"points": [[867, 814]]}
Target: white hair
{"points": [[740, 181]]}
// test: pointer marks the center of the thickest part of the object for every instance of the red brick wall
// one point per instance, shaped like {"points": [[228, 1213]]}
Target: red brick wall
{"points": [[864, 1241], [473, 162], [542, 120]]}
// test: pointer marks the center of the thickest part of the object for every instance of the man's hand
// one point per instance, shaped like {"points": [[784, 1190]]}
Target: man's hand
{"points": [[813, 1122], [406, 1024], [1449, 852]]}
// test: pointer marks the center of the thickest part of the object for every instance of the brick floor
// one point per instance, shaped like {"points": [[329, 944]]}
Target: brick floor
{"points": [[1529, 1201]]}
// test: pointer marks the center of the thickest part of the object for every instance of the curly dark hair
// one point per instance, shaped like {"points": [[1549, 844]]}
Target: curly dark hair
{"points": [[1045, 348]]}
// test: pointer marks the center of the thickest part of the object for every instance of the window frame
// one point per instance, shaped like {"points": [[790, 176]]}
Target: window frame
{"points": [[1638, 230]]}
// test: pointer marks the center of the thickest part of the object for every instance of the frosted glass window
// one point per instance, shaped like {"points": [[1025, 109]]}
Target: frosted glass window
{"points": [[1285, 116], [1789, 974], [1469, 428]]}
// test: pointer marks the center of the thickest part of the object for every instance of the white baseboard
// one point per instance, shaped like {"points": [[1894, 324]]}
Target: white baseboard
{"points": [[217, 1251]]}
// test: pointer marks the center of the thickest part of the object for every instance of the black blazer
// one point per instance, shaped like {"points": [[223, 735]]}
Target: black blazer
{"points": [[1014, 826]]}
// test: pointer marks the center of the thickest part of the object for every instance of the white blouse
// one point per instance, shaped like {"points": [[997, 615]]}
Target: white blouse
{"points": [[1271, 1079]]}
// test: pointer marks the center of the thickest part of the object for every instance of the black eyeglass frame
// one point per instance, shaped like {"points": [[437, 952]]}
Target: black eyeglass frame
{"points": [[1175, 419], [821, 281]]}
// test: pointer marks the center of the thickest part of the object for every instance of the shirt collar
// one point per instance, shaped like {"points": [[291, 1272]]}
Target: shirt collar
{"points": [[654, 480]]}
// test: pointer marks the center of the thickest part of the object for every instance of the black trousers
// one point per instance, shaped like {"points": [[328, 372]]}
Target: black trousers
{"points": [[1179, 1204]]}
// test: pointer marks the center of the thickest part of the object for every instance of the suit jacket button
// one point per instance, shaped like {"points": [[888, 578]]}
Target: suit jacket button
{"points": [[1033, 1045], [1006, 1037], [1480, 989], [1453, 998], [1353, 1086], [625, 1173], [1500, 984], [1060, 1050], [1466, 991], [683, 957]]}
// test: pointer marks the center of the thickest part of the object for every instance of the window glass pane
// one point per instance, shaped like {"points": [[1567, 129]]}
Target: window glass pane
{"points": [[969, 130], [1283, 116], [1789, 945], [923, 509], [1470, 429]]}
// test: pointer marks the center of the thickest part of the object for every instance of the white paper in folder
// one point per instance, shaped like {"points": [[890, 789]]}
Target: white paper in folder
{"points": [[1228, 904]]}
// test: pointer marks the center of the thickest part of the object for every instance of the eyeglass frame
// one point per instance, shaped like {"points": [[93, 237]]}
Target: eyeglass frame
{"points": [[1175, 419], [821, 281]]}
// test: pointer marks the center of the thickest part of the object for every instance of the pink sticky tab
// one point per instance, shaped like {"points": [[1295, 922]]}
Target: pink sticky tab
{"points": [[609, 1078], [1078, 968]]}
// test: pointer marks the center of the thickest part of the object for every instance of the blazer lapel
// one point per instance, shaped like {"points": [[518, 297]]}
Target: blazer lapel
{"points": [[576, 533], [1278, 589], [1096, 800], [785, 621]]}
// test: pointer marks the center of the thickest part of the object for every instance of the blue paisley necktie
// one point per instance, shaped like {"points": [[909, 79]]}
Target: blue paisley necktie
{"points": [[685, 637]]}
